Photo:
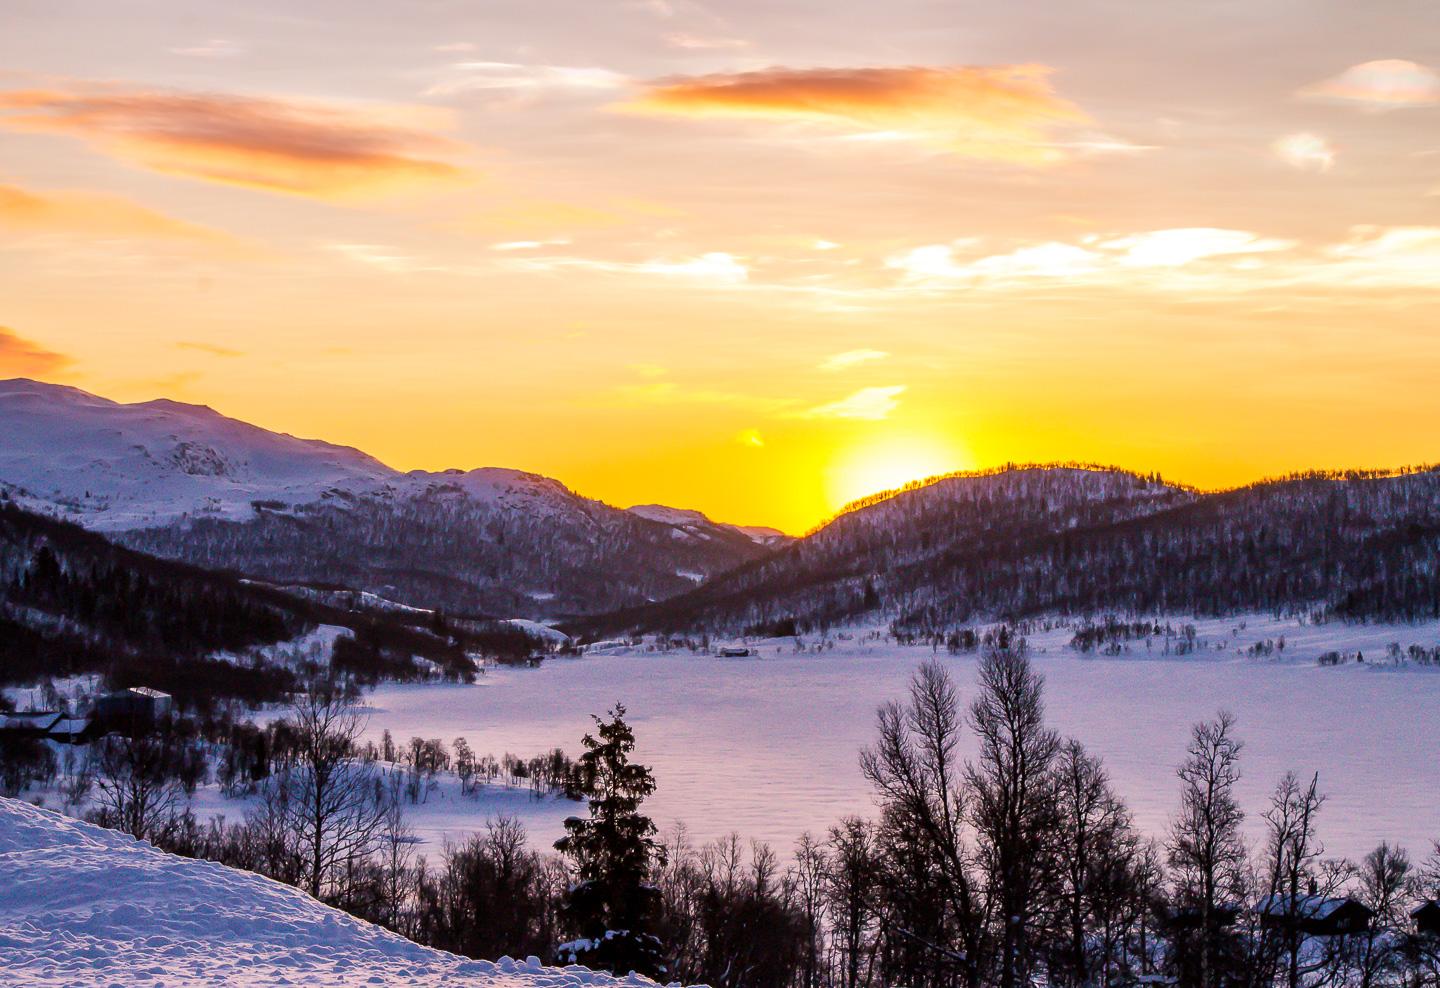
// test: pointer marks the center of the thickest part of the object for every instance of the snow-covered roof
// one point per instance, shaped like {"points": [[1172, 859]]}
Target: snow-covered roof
{"points": [[70, 725], [147, 692], [33, 720], [1306, 906]]}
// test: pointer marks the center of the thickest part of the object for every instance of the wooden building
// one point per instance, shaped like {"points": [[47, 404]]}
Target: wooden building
{"points": [[1316, 915]]}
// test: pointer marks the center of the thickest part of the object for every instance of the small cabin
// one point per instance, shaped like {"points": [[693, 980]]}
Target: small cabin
{"points": [[1316, 915], [735, 652], [1427, 919], [137, 704], [1192, 918], [30, 723]]}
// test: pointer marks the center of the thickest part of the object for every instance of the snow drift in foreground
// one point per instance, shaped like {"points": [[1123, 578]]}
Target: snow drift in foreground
{"points": [[84, 905]]}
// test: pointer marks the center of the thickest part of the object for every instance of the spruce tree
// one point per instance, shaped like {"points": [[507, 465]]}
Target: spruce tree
{"points": [[611, 905]]}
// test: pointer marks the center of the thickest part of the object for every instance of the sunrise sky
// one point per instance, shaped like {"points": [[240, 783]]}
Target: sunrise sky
{"points": [[757, 258]]}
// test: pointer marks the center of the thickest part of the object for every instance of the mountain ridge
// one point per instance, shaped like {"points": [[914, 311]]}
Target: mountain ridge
{"points": [[1071, 540], [187, 482]]}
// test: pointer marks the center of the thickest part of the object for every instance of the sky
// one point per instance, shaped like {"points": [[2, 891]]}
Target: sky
{"points": [[755, 258]]}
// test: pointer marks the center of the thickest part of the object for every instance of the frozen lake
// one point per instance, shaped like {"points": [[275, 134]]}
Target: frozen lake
{"points": [[768, 747]]}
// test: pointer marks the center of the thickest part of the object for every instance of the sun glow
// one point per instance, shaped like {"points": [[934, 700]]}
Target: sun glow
{"points": [[889, 462]]}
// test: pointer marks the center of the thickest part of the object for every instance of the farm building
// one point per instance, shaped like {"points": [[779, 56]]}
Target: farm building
{"points": [[1427, 918], [1316, 915], [139, 703]]}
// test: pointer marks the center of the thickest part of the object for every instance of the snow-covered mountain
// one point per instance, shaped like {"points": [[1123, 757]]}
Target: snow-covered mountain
{"points": [[697, 525], [186, 482], [113, 466], [85, 906]]}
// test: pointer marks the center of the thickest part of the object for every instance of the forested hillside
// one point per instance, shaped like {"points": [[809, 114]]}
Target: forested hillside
{"points": [[1074, 541], [549, 552], [72, 602]]}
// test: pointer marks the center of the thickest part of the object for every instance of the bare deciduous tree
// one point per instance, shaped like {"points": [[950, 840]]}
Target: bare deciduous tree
{"points": [[1206, 850], [331, 803], [1014, 805]]}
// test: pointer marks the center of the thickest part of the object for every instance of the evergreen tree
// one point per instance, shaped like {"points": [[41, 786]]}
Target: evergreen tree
{"points": [[614, 852]]}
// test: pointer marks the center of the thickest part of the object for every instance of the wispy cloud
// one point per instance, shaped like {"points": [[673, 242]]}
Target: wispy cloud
{"points": [[1006, 112], [214, 349], [513, 77], [716, 266], [1307, 152], [1117, 258], [750, 437], [851, 358], [94, 214], [214, 48], [508, 245], [1386, 83], [1186, 259], [303, 148], [1182, 245], [868, 404], [697, 42], [28, 358]]}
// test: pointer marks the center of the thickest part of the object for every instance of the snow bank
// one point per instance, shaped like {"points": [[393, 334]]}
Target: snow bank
{"points": [[83, 905]]}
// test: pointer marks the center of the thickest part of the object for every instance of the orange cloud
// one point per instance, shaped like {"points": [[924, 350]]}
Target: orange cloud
{"points": [[21, 356], [95, 214], [998, 112], [319, 150]]}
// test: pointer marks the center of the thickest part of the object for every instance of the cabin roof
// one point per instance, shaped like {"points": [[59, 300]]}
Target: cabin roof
{"points": [[1305, 906], [35, 720]]}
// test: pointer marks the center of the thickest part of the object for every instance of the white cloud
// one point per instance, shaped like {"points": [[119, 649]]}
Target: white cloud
{"points": [[1385, 83], [471, 77], [868, 404], [851, 358], [1183, 245], [1307, 152], [1404, 256], [509, 245]]}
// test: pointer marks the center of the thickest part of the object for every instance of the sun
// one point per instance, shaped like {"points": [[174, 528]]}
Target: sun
{"points": [[889, 462]]}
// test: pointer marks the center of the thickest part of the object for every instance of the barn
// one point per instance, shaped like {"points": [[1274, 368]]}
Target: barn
{"points": [[137, 704]]}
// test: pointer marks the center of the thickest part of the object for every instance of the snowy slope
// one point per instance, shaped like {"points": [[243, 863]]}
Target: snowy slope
{"points": [[84, 906], [113, 466], [695, 524]]}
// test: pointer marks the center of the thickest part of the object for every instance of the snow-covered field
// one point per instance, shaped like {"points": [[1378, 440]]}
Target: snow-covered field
{"points": [[84, 906], [768, 746]]}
